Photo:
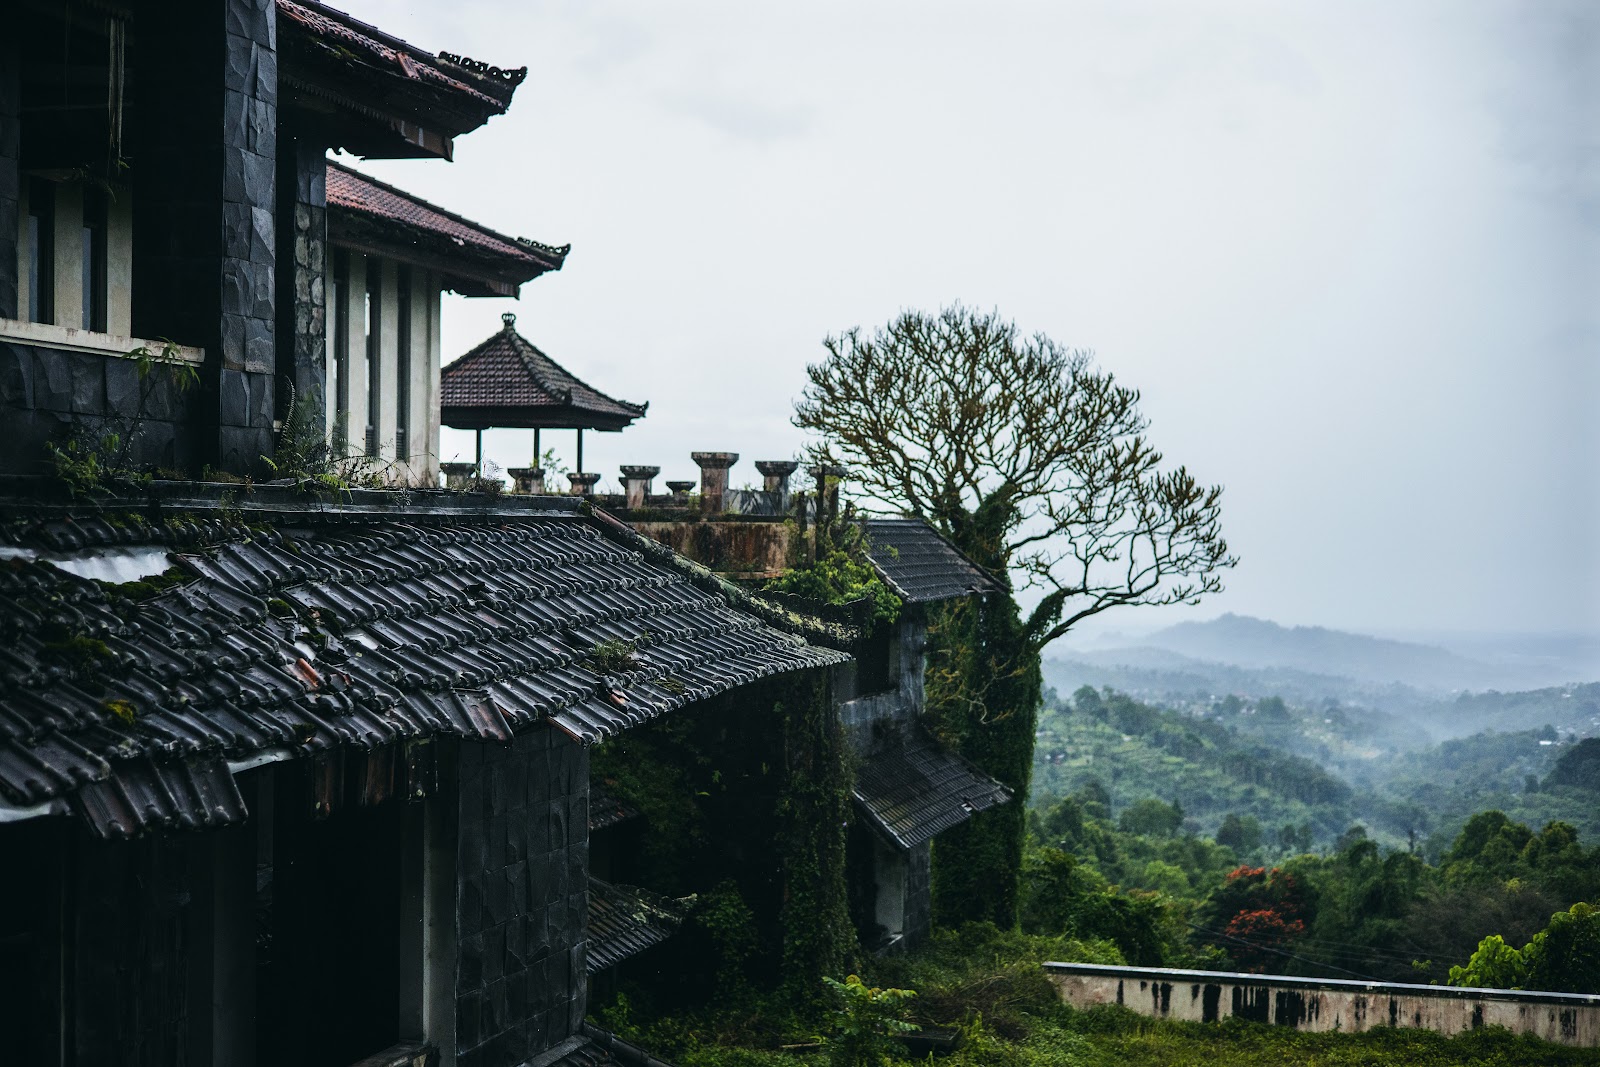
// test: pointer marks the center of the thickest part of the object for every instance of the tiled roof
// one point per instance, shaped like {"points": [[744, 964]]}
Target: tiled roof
{"points": [[920, 565], [350, 37], [306, 632], [912, 789], [505, 378], [606, 811], [411, 220], [624, 921]]}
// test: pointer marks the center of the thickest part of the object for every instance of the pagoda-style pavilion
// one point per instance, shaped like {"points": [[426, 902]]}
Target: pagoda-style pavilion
{"points": [[507, 382]]}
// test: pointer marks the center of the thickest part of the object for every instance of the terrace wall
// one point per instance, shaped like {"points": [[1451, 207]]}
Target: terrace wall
{"points": [[1327, 1004]]}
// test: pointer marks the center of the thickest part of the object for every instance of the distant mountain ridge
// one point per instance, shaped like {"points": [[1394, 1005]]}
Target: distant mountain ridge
{"points": [[1243, 641]]}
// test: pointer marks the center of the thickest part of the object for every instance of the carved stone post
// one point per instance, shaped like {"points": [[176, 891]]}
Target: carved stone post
{"points": [[458, 475], [680, 493], [636, 483], [775, 474], [583, 484], [713, 478], [527, 480]]}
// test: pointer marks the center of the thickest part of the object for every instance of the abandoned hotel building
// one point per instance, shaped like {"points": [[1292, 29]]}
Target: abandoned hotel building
{"points": [[299, 775]]}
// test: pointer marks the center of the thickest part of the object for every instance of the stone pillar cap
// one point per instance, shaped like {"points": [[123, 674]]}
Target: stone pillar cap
{"points": [[522, 472], [630, 470], [829, 470], [777, 466], [586, 478], [715, 460], [680, 487], [458, 468]]}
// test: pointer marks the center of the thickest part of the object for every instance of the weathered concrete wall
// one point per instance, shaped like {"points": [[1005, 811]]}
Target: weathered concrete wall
{"points": [[1327, 1004], [758, 549]]}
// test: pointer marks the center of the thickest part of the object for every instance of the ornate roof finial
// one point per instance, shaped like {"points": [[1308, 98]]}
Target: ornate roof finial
{"points": [[509, 318]]}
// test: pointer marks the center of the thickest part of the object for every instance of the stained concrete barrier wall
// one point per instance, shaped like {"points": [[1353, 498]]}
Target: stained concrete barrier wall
{"points": [[1327, 1004]]}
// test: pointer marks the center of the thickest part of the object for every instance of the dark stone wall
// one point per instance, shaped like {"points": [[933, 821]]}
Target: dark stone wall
{"points": [[522, 904], [51, 395], [302, 277], [10, 179], [204, 161]]}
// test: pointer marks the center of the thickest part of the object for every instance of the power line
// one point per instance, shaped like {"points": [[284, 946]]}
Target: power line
{"points": [[1280, 952]]}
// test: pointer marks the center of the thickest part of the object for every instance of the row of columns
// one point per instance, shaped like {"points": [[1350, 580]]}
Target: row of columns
{"points": [[636, 479]]}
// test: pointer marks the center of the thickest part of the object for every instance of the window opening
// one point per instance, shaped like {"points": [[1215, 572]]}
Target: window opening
{"points": [[41, 251]]}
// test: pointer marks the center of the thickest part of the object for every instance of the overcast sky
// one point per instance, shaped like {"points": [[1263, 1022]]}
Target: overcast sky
{"points": [[1348, 251]]}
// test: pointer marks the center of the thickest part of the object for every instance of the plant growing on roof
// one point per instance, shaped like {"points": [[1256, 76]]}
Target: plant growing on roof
{"points": [[613, 657]]}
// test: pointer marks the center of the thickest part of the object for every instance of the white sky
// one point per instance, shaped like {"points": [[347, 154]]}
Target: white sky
{"points": [[1348, 251]]}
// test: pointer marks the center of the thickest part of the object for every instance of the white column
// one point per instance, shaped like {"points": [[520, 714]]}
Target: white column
{"points": [[355, 327], [119, 262], [24, 294], [418, 440], [334, 322], [69, 256], [388, 363], [435, 353]]}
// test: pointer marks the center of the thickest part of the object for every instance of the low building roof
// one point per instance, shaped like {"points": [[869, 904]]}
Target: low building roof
{"points": [[912, 789], [506, 381], [624, 921], [920, 565], [285, 630], [376, 94], [373, 216], [606, 811]]}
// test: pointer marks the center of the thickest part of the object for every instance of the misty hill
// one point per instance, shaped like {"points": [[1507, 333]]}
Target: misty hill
{"points": [[1174, 677], [1247, 642]]}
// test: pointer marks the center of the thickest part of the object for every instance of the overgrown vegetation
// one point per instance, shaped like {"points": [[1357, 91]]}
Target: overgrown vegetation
{"points": [[840, 573], [103, 454]]}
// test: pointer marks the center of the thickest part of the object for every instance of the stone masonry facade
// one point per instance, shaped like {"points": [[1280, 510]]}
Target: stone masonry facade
{"points": [[521, 904]]}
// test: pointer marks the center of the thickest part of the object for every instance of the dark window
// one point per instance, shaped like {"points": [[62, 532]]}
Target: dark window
{"points": [[331, 952], [402, 373], [41, 251], [94, 261], [31, 932], [374, 350], [341, 352]]}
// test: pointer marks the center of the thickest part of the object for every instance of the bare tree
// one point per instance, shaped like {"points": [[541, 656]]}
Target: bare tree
{"points": [[1027, 454]]}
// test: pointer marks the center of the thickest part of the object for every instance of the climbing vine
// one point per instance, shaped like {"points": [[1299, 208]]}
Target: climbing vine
{"points": [[745, 799], [818, 936], [983, 693]]}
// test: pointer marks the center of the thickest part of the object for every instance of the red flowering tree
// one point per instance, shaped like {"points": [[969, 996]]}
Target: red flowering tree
{"points": [[1256, 915]]}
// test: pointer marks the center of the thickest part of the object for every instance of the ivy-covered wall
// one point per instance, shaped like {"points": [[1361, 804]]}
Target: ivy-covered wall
{"points": [[983, 688], [747, 801]]}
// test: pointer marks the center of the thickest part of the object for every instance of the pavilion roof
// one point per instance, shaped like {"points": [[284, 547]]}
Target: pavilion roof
{"points": [[373, 216], [506, 381]]}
